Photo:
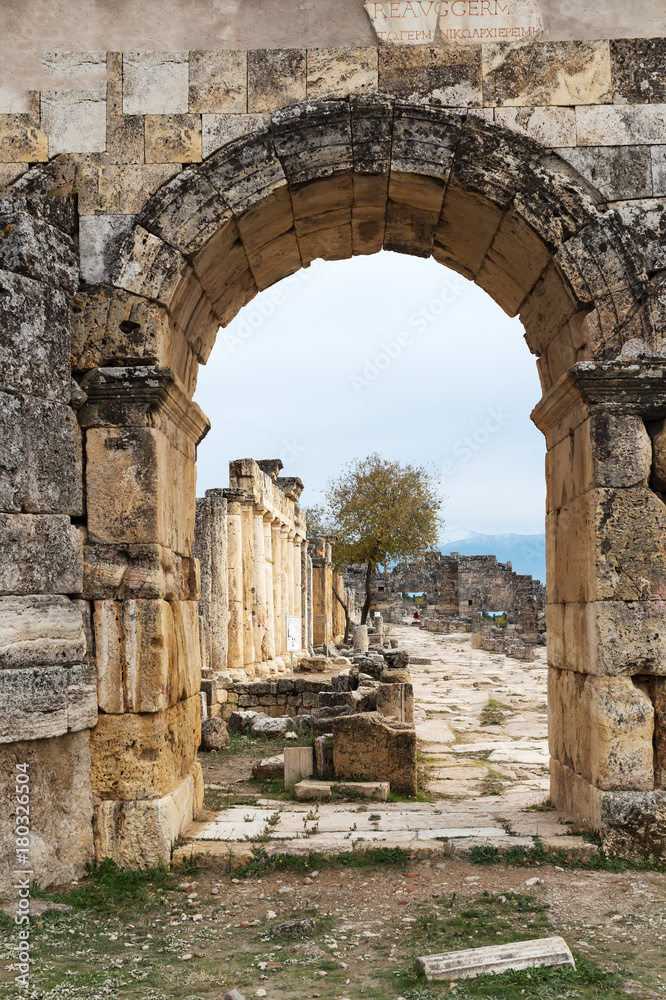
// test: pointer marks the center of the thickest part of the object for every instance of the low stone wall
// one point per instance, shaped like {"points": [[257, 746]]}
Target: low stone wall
{"points": [[285, 697]]}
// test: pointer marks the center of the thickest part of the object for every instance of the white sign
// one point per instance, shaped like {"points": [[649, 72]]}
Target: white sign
{"points": [[406, 22], [293, 633]]}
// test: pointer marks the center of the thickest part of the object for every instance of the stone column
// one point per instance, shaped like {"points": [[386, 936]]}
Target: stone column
{"points": [[310, 600], [305, 609], [298, 609], [259, 588], [235, 654], [605, 525], [270, 609], [247, 521], [291, 571], [277, 587], [284, 581], [210, 548]]}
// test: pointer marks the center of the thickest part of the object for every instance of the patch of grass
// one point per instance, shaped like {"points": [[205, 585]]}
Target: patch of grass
{"points": [[261, 862], [455, 923], [111, 887], [545, 806], [524, 857], [492, 714]]}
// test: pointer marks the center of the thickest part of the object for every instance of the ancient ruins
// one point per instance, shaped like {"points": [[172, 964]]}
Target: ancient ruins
{"points": [[147, 195]]}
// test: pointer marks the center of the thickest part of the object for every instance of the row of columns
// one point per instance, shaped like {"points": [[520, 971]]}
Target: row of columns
{"points": [[254, 575]]}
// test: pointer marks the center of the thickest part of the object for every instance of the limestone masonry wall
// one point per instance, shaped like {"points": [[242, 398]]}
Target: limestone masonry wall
{"points": [[145, 198]]}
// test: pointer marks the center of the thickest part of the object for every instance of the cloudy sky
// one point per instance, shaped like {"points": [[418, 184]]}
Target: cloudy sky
{"points": [[387, 353]]}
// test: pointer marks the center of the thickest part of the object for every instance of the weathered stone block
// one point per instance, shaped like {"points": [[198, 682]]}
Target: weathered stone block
{"points": [[218, 81], [129, 472], [41, 702], [41, 554], [140, 834], [39, 630], [313, 141], [74, 120], [636, 70], [396, 701], [608, 638], [144, 756], [155, 83], [100, 237], [219, 130], [658, 696], [61, 834], [607, 449], [148, 654], [22, 140], [120, 189], [40, 457], [633, 824], [602, 728], [117, 572], [551, 73], [32, 247], [335, 73], [549, 126], [608, 547], [619, 125], [275, 77], [111, 325], [617, 172], [367, 746], [173, 138], [447, 76]]}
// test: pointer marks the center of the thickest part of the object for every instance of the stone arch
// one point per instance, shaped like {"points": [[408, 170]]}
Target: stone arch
{"points": [[332, 179]]}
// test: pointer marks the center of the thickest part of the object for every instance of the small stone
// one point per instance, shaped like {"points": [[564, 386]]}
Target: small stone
{"points": [[303, 927], [234, 995], [274, 966], [534, 881], [285, 888], [186, 957], [260, 993], [271, 915]]}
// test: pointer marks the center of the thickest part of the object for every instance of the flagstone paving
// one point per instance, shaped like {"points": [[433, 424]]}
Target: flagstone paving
{"points": [[488, 782]]}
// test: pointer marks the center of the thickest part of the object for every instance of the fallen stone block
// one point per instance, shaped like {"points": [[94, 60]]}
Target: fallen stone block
{"points": [[396, 659], [272, 728], [375, 791], [368, 746], [239, 722], [270, 767], [496, 959], [316, 663], [214, 735]]}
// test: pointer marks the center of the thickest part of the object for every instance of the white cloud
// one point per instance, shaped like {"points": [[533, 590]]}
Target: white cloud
{"points": [[386, 353]]}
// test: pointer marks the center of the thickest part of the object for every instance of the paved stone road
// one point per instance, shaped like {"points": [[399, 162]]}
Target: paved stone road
{"points": [[483, 777]]}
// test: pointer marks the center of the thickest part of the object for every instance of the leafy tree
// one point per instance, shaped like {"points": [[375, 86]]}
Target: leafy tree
{"points": [[380, 512]]}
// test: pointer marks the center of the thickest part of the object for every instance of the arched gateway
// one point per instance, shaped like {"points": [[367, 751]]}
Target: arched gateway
{"points": [[99, 635]]}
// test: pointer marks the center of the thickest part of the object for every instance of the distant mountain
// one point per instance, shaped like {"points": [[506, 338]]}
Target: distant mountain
{"points": [[526, 553]]}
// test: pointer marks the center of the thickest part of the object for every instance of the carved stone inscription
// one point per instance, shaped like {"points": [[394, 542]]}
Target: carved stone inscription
{"points": [[409, 22]]}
